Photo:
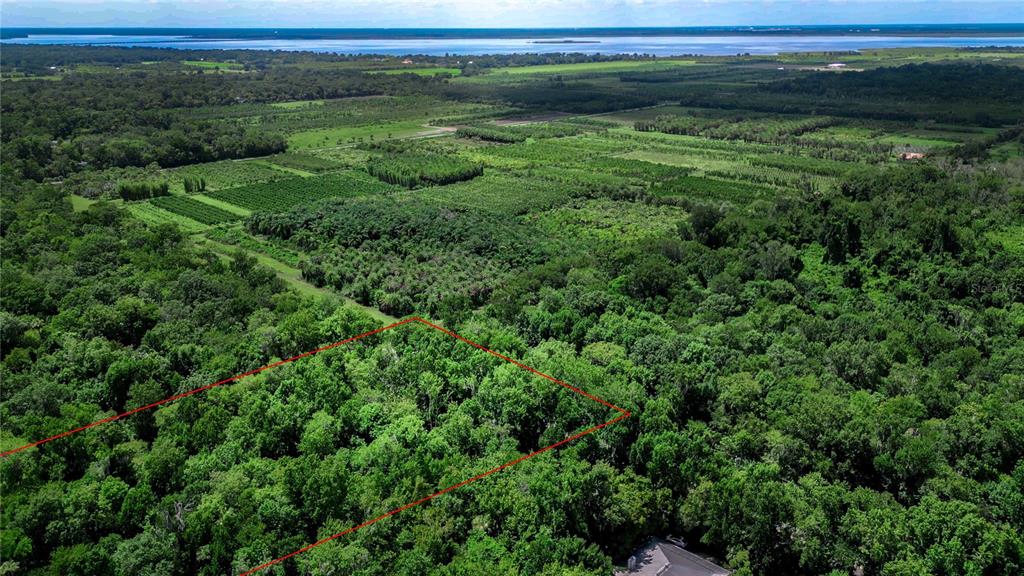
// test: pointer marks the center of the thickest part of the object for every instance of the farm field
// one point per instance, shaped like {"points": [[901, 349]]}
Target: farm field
{"points": [[608, 222], [194, 209], [281, 263], [507, 194], [304, 163], [297, 104], [224, 174], [800, 289], [421, 71], [283, 194], [639, 66], [347, 135], [213, 65], [232, 208], [154, 215]]}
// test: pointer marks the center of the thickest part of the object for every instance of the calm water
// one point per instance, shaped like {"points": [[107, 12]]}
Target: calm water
{"points": [[657, 45]]}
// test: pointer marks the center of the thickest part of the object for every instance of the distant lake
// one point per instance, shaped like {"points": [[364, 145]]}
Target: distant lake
{"points": [[598, 44]]}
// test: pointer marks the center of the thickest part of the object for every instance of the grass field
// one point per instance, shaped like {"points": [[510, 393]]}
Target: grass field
{"points": [[915, 141], [304, 163], [613, 66], [226, 206], [297, 104], [420, 71], [344, 135], [499, 193], [280, 167], [79, 204], [213, 65]]}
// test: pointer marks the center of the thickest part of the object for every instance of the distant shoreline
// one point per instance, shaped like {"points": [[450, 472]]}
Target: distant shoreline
{"points": [[540, 34], [565, 42]]}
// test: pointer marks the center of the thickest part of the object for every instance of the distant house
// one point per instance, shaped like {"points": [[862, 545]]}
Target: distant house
{"points": [[407, 61], [662, 558], [911, 155], [837, 65]]}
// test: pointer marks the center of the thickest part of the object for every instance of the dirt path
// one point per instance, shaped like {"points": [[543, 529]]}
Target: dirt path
{"points": [[292, 276]]}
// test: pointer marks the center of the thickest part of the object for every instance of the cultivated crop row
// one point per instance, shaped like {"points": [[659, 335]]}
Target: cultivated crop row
{"points": [[194, 209], [304, 162], [414, 170], [712, 189], [283, 194], [767, 131], [513, 134], [225, 174], [503, 194]]}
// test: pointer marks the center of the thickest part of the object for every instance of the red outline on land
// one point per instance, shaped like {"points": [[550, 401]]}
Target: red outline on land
{"points": [[623, 414]]}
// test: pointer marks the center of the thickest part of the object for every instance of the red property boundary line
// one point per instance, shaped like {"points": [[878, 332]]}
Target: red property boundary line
{"points": [[623, 414]]}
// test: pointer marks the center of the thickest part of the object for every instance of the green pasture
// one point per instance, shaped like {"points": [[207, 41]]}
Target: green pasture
{"points": [[212, 64], [347, 135], [419, 71], [612, 66]]}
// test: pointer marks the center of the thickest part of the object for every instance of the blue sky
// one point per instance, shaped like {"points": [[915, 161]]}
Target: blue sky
{"points": [[498, 13]]}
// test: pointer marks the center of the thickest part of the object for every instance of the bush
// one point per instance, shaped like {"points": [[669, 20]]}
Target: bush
{"points": [[415, 170], [130, 191]]}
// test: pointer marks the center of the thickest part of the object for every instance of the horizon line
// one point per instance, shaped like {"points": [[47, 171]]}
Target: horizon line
{"points": [[685, 26]]}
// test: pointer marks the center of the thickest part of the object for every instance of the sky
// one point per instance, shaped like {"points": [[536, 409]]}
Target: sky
{"points": [[498, 13]]}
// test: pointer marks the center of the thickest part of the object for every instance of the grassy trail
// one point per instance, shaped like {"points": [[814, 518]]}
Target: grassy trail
{"points": [[292, 276]]}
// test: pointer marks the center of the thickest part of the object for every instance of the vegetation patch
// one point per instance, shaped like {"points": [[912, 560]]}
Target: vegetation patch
{"points": [[713, 189], [212, 64], [367, 247], [305, 162], [608, 221], [283, 194], [220, 175], [190, 208], [415, 170], [327, 137], [129, 191], [512, 134], [501, 193], [609, 66], [156, 216], [1010, 239], [420, 71]]}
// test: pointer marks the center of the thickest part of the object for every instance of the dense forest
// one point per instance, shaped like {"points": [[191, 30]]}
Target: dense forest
{"points": [[820, 341]]}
